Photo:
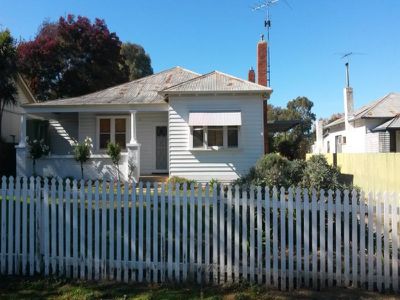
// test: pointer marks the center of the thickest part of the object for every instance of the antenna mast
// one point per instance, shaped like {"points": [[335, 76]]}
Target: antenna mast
{"points": [[347, 56], [266, 4]]}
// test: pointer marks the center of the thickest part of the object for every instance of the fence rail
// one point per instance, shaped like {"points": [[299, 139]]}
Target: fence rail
{"points": [[207, 234]]}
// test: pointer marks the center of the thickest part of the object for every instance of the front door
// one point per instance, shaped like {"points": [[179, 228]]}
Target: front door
{"points": [[162, 148]]}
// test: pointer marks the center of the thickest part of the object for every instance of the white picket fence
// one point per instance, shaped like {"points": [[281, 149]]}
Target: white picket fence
{"points": [[285, 239]]}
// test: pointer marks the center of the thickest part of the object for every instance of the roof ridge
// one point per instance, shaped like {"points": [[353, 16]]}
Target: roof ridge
{"points": [[376, 103], [211, 73], [240, 79], [190, 80]]}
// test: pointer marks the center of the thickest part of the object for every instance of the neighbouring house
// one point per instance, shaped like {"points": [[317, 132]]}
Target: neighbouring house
{"points": [[175, 122], [12, 113], [374, 128], [10, 133]]}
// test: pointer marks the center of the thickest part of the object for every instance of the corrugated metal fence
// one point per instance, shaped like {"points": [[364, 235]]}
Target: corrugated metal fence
{"points": [[158, 233]]}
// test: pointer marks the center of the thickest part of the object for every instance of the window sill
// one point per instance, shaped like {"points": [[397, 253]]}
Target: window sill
{"points": [[210, 149], [93, 156]]}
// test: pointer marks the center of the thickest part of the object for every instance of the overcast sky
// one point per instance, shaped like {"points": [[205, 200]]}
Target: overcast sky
{"points": [[222, 35]]}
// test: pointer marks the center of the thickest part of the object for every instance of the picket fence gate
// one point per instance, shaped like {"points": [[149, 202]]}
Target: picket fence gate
{"points": [[200, 233]]}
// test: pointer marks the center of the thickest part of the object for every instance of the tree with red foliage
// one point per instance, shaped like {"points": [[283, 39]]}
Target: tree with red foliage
{"points": [[72, 57]]}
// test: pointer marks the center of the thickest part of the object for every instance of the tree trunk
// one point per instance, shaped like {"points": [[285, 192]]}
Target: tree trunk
{"points": [[81, 170], [34, 167], [118, 172], [1, 121]]}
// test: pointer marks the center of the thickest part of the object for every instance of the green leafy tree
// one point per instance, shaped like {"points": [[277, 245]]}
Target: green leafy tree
{"points": [[82, 152], [114, 151], [8, 71], [137, 61], [295, 143], [72, 57]]}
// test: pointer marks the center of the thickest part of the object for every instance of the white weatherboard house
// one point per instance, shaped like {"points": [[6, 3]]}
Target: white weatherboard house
{"points": [[175, 122], [374, 128]]}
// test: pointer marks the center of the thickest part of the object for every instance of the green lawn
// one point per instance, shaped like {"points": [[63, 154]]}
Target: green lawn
{"points": [[53, 288]]}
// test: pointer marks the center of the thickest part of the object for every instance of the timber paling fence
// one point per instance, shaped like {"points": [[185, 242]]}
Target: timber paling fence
{"points": [[207, 234]]}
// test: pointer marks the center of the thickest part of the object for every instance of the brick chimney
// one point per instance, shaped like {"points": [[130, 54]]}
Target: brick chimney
{"points": [[262, 80], [262, 62], [252, 75]]}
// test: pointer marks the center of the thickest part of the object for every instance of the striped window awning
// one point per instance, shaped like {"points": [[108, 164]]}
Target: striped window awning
{"points": [[214, 118]]}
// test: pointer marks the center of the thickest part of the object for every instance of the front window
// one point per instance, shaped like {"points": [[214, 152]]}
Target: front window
{"points": [[215, 136], [120, 132], [105, 133], [112, 129]]}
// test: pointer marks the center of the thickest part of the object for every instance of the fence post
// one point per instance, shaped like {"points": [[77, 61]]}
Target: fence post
{"points": [[39, 220]]}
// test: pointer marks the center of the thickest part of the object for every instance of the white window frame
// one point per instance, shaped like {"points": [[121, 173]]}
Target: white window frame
{"points": [[205, 139], [112, 130]]}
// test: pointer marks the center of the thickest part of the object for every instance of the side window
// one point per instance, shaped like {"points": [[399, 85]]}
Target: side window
{"points": [[215, 136], [233, 136], [198, 137]]}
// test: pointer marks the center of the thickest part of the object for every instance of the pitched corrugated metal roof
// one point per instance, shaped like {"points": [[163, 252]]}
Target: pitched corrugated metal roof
{"points": [[141, 91], [393, 123], [215, 82], [386, 107], [335, 122]]}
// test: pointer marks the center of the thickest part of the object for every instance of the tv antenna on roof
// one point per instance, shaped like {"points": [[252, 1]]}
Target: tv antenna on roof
{"points": [[266, 5], [346, 56]]}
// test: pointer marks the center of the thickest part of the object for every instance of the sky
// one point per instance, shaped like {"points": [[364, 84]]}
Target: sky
{"points": [[306, 39]]}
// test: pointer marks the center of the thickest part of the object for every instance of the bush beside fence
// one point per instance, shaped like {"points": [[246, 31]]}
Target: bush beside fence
{"points": [[219, 235]]}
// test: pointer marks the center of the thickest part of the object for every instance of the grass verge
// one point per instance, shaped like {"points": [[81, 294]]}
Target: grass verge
{"points": [[56, 288]]}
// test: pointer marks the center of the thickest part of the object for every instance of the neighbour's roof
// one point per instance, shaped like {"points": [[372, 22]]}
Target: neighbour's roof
{"points": [[141, 91], [385, 107], [335, 122], [393, 123], [215, 82]]}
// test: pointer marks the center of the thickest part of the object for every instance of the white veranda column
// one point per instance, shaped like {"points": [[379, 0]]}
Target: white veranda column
{"points": [[133, 151], [22, 131], [21, 150], [133, 127]]}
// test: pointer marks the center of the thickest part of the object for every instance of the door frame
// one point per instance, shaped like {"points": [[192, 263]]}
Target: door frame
{"points": [[160, 171]]}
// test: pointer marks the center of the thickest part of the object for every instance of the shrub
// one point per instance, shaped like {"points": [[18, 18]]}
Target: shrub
{"points": [[82, 152], [319, 174], [270, 170], [114, 151], [37, 149], [274, 170], [181, 180]]}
